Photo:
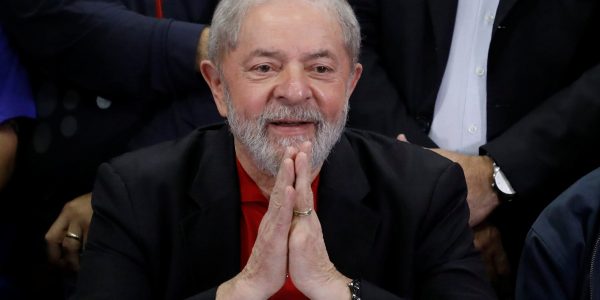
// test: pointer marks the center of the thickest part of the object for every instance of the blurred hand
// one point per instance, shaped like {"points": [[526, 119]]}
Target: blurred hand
{"points": [[481, 197], [8, 152], [75, 219], [489, 242]]}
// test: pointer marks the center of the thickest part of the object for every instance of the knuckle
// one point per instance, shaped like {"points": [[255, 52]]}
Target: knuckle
{"points": [[70, 246], [69, 206], [52, 238]]}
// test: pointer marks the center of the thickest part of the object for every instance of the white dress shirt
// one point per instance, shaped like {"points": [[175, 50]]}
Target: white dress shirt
{"points": [[459, 119]]}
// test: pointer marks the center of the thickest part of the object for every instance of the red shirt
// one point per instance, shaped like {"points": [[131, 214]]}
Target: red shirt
{"points": [[254, 206]]}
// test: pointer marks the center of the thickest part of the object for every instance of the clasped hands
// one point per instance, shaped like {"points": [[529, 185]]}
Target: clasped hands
{"points": [[289, 244]]}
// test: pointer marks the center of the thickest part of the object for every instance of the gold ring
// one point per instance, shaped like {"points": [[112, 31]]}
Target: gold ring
{"points": [[302, 213], [73, 236]]}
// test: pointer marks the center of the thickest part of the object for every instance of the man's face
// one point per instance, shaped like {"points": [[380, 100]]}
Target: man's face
{"points": [[287, 81]]}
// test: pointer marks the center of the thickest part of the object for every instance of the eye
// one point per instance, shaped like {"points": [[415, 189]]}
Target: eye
{"points": [[322, 69], [263, 68]]}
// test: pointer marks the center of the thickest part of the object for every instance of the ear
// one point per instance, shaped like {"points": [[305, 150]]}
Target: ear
{"points": [[358, 68], [217, 85]]}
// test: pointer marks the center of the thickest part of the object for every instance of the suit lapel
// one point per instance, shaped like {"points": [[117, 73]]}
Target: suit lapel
{"points": [[211, 230], [349, 226], [504, 8], [443, 16]]}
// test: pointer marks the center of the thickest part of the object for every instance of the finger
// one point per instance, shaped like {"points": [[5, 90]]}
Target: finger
{"points": [[477, 243], [71, 247], [401, 137], [285, 177], [54, 251], [54, 238], [479, 238], [277, 220], [499, 257], [304, 199], [86, 219], [306, 147], [501, 262]]}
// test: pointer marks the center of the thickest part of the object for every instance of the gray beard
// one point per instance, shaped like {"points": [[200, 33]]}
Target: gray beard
{"points": [[267, 152]]}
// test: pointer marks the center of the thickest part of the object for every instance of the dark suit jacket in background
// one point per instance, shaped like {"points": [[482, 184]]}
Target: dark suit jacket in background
{"points": [[560, 257], [543, 89], [166, 221], [108, 77]]}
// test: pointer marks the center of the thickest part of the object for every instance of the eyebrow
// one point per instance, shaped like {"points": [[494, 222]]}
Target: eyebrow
{"points": [[266, 53], [320, 54], [323, 53]]}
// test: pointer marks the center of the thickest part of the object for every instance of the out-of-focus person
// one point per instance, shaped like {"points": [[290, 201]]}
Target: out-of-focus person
{"points": [[509, 89]]}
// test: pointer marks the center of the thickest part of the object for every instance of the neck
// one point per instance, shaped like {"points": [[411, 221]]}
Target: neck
{"points": [[264, 180]]}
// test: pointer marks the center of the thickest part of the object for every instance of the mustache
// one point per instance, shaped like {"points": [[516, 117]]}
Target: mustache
{"points": [[301, 113]]}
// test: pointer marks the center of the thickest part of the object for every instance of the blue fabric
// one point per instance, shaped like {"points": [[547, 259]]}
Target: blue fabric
{"points": [[15, 93], [555, 258]]}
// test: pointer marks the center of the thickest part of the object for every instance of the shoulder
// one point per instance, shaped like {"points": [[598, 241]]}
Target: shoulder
{"points": [[173, 156], [382, 150], [577, 208], [572, 216], [562, 238], [399, 172]]}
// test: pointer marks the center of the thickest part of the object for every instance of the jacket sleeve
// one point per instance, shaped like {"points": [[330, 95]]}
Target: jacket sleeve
{"points": [[117, 263], [556, 135], [387, 114], [448, 266], [559, 249], [105, 47], [543, 273]]}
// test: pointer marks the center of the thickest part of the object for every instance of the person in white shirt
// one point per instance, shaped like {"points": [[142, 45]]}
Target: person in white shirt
{"points": [[509, 89]]}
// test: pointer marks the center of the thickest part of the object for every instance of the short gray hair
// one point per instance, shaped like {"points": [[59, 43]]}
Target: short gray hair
{"points": [[229, 15]]}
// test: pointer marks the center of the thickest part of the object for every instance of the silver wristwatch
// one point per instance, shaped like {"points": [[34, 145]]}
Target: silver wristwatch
{"points": [[501, 185]]}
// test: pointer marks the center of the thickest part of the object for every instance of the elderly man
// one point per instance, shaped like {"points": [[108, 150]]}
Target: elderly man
{"points": [[283, 203]]}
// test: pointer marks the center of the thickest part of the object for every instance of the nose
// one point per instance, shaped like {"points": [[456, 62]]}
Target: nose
{"points": [[293, 86]]}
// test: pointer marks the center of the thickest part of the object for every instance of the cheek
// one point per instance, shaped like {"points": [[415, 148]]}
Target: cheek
{"points": [[250, 99], [331, 100]]}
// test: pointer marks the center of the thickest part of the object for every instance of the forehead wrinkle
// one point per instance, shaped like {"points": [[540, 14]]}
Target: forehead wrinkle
{"points": [[266, 53]]}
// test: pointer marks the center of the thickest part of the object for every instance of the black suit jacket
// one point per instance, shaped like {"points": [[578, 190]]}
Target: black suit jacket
{"points": [[543, 86], [166, 221], [77, 50]]}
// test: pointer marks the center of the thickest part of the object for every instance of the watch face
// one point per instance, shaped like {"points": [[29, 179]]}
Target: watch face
{"points": [[503, 184]]}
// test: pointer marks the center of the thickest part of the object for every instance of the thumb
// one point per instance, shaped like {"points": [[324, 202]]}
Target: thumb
{"points": [[402, 137]]}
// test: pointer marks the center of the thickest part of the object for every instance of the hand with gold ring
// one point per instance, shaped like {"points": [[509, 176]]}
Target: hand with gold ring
{"points": [[303, 213], [66, 237], [73, 236], [265, 272], [309, 265]]}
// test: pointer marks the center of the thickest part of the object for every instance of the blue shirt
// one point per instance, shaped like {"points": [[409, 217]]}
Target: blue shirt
{"points": [[15, 93]]}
